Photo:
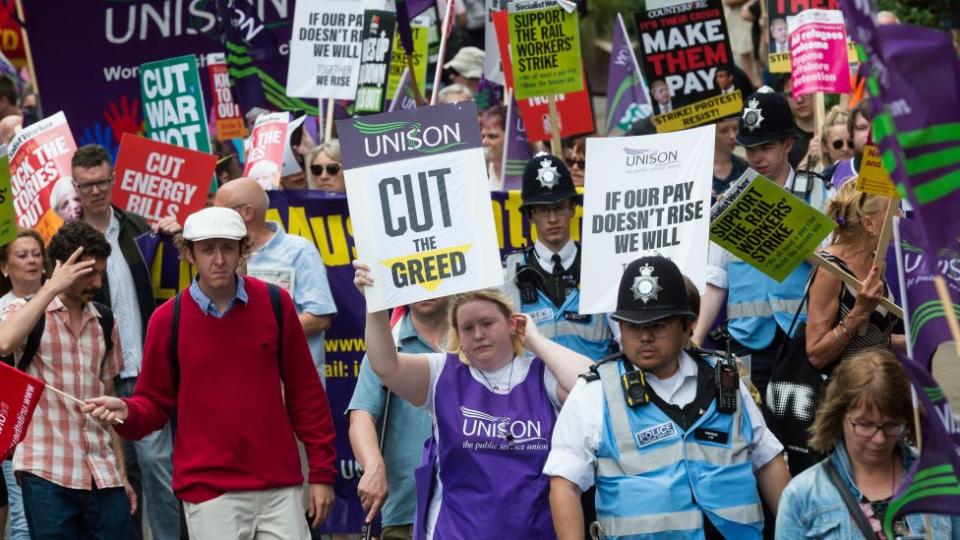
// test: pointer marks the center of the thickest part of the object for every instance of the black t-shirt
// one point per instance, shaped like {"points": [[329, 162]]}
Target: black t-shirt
{"points": [[800, 146]]}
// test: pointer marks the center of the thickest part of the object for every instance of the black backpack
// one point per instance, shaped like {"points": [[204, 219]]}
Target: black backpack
{"points": [[36, 334], [272, 290]]}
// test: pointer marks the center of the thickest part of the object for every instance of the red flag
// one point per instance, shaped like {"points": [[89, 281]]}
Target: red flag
{"points": [[19, 394]]}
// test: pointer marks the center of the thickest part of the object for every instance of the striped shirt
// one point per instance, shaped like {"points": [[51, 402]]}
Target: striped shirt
{"points": [[63, 445]]}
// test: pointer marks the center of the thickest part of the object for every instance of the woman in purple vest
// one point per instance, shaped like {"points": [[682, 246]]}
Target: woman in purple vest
{"points": [[493, 406]]}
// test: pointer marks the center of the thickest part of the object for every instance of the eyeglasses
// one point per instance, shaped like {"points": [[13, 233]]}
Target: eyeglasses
{"points": [[545, 210], [867, 431], [87, 187], [657, 328], [838, 144], [331, 168], [578, 162]]}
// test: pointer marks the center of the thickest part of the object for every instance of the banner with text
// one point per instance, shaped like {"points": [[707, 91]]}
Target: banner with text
{"points": [[378, 29], [173, 102], [325, 49], [227, 119], [265, 157], [544, 49], [873, 177], [8, 218], [39, 158], [398, 59], [766, 226], [681, 47], [19, 395], [158, 180], [778, 11], [417, 188], [818, 52], [647, 195], [574, 110]]}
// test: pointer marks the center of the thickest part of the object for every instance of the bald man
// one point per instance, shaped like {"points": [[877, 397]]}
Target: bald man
{"points": [[290, 261]]}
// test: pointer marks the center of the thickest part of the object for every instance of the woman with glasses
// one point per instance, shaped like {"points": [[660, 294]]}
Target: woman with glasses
{"points": [[840, 321], [862, 425], [575, 157], [326, 168], [835, 142]]}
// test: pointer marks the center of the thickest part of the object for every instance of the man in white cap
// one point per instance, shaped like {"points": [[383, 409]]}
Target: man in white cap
{"points": [[466, 68], [229, 355]]}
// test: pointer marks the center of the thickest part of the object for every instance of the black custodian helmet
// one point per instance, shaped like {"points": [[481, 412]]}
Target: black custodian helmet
{"points": [[766, 117], [651, 288], [546, 180]]}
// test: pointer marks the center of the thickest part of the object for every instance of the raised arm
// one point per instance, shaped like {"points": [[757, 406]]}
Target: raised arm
{"points": [[565, 364], [407, 375]]}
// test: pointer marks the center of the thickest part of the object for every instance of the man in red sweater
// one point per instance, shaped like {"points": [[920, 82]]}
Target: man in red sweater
{"points": [[244, 391]]}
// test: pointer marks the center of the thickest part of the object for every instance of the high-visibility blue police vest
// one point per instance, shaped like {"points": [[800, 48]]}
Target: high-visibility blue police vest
{"points": [[655, 479], [588, 335], [756, 303]]}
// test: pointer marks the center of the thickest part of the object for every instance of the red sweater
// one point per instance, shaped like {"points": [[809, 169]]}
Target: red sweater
{"points": [[236, 423]]}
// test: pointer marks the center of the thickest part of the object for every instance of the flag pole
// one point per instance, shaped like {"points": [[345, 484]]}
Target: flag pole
{"points": [[328, 122], [948, 310], [508, 97], [72, 398], [555, 147], [444, 33], [886, 233], [413, 81]]}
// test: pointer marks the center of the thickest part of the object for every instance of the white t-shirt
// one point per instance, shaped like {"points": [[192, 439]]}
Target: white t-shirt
{"points": [[498, 381], [576, 436]]}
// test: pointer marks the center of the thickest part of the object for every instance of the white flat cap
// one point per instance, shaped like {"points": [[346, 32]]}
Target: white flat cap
{"points": [[214, 222]]}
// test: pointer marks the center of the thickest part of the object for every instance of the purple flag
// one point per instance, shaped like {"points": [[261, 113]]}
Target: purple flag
{"points": [[516, 150], [403, 97], [627, 99], [931, 485], [406, 10], [922, 307]]}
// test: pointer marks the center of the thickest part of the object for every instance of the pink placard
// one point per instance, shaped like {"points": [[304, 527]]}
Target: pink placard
{"points": [[818, 52]]}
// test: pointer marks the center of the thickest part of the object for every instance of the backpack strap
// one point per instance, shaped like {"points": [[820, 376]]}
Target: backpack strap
{"points": [[32, 345], [106, 326], [174, 342], [275, 301], [852, 506]]}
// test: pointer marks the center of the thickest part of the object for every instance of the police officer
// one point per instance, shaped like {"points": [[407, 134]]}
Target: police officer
{"points": [[760, 309], [670, 436], [544, 279]]}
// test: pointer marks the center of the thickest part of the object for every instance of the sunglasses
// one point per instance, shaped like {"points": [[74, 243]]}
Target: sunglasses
{"points": [[838, 144], [578, 162], [332, 169]]}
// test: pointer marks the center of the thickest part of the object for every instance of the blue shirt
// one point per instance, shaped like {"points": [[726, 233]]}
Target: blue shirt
{"points": [[407, 429], [206, 304], [311, 290]]}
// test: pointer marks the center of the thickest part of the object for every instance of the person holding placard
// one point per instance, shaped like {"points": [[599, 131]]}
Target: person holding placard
{"points": [[759, 309], [670, 436], [493, 408], [544, 279]]}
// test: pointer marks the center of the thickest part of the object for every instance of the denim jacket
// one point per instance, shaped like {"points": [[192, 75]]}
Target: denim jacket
{"points": [[811, 507]]}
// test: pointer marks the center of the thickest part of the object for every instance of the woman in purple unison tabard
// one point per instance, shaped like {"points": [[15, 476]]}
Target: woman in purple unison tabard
{"points": [[492, 423]]}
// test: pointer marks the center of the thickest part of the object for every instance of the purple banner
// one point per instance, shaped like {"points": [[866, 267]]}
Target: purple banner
{"points": [[627, 99], [323, 219], [87, 54], [397, 135], [925, 313], [516, 150]]}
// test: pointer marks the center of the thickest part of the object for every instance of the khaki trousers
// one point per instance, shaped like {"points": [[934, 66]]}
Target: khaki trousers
{"points": [[250, 515]]}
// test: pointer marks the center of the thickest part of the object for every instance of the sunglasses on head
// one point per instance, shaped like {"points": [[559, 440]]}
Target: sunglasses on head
{"points": [[332, 169], [838, 144]]}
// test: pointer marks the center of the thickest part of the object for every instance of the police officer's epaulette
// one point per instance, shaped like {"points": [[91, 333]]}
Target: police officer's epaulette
{"points": [[593, 374]]}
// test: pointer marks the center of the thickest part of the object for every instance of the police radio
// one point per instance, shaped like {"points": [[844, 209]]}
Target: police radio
{"points": [[526, 280], [726, 384], [634, 386]]}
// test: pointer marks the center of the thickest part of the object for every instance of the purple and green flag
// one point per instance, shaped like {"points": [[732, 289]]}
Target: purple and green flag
{"points": [[516, 150], [627, 98]]}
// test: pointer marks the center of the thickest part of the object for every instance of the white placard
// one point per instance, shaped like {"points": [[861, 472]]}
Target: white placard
{"points": [[646, 195], [325, 49], [454, 250]]}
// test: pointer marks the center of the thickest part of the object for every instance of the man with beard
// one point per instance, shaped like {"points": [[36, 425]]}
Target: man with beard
{"points": [[71, 471]]}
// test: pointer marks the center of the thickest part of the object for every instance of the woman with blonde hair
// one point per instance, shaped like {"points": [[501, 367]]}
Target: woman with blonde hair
{"points": [[835, 142], [493, 406], [325, 171], [863, 424], [840, 321]]}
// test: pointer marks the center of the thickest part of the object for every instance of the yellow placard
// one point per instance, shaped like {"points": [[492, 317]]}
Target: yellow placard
{"points": [[873, 177], [427, 268], [702, 112]]}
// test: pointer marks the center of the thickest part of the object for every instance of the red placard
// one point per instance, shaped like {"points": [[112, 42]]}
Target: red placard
{"points": [[19, 394], [11, 36], [157, 180], [226, 112], [574, 109]]}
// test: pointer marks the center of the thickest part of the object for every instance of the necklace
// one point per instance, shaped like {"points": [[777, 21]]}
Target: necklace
{"points": [[496, 386]]}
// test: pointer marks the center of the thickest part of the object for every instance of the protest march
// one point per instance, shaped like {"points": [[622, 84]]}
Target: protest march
{"points": [[479, 269]]}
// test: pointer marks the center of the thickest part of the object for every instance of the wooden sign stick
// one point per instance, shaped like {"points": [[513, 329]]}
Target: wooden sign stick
{"points": [[886, 233], [818, 260], [555, 146]]}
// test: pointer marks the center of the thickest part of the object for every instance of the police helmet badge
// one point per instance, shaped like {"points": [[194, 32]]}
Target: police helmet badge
{"points": [[752, 115], [646, 286], [548, 176]]}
